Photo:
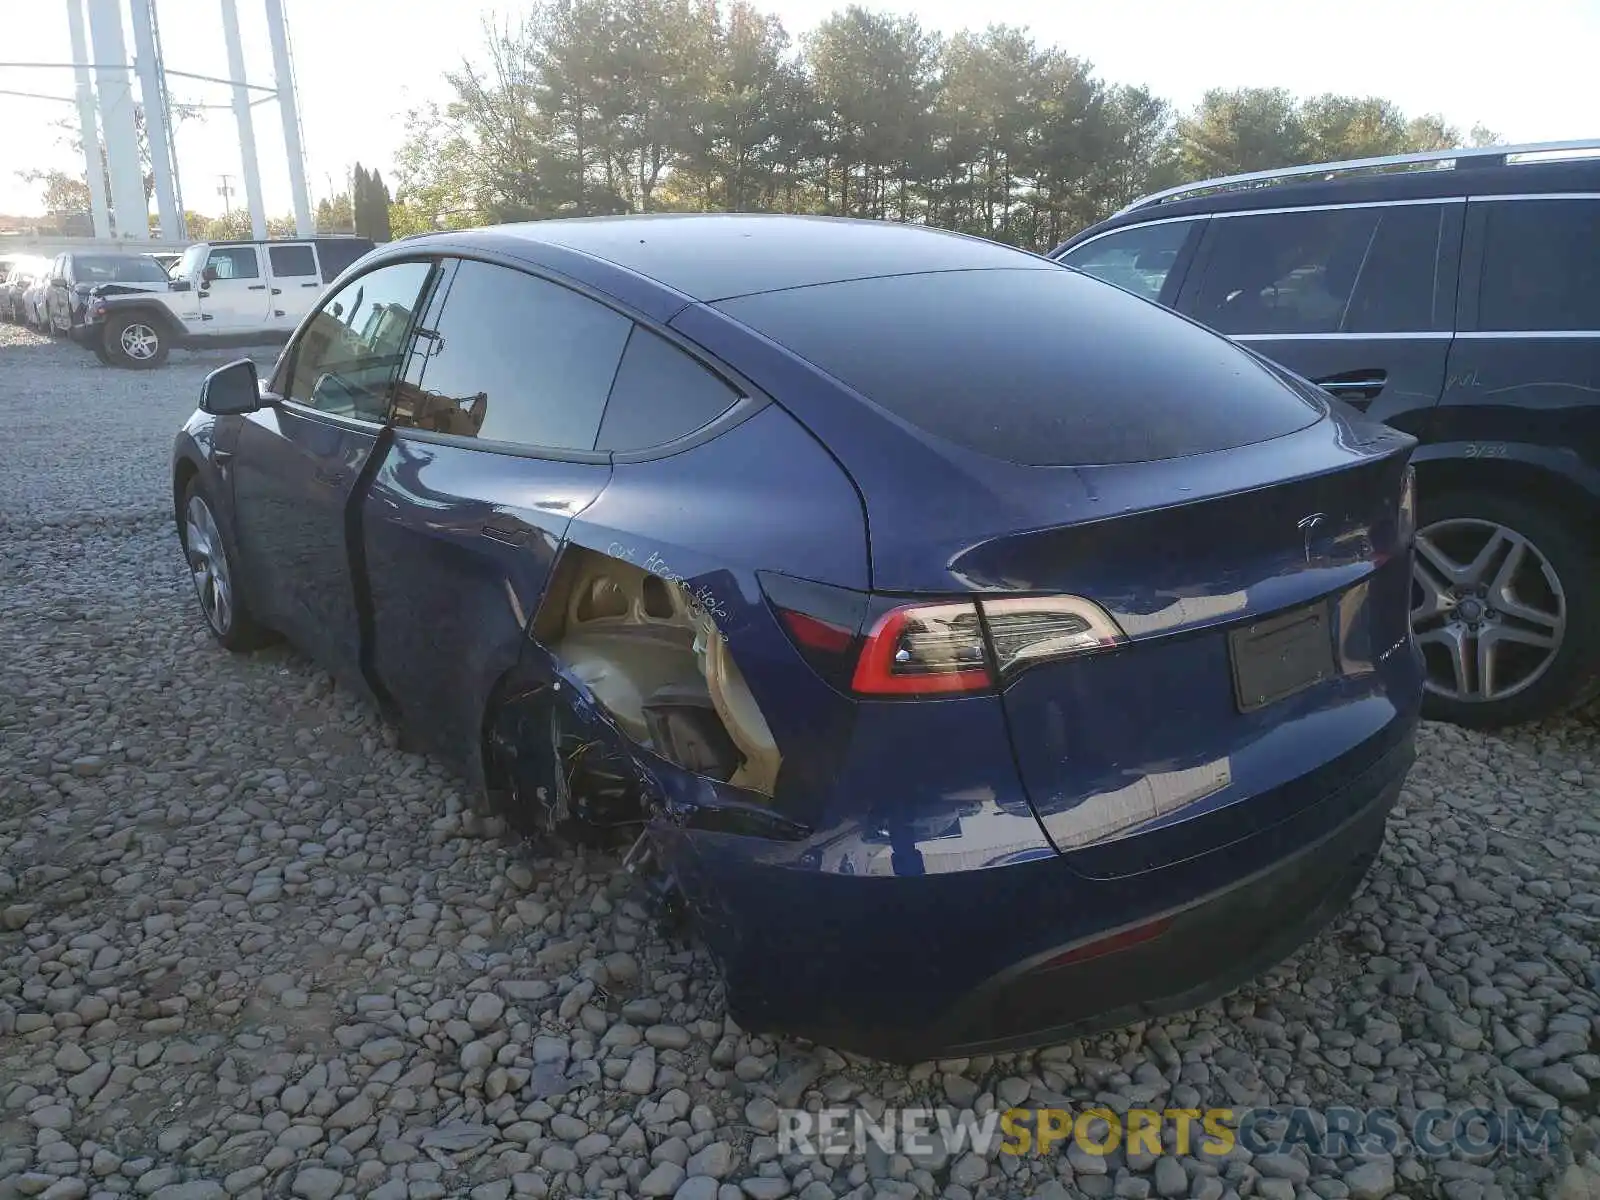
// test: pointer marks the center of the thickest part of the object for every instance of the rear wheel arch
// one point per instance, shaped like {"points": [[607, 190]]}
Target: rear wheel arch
{"points": [[1511, 477]]}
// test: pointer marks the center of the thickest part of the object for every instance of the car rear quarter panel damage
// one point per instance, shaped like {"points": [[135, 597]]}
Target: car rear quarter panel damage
{"points": [[655, 622]]}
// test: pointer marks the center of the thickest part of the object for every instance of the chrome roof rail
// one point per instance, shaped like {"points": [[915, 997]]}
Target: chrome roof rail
{"points": [[1479, 156]]}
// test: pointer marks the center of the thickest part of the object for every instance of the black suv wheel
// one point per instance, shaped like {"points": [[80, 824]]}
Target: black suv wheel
{"points": [[1504, 598]]}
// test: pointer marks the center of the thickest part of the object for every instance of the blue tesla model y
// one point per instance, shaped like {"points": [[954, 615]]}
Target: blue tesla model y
{"points": [[976, 654]]}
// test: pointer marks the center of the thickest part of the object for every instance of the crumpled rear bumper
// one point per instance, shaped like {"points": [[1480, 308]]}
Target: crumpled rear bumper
{"points": [[913, 968]]}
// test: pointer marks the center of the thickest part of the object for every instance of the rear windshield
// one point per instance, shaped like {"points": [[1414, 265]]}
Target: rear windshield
{"points": [[1045, 368]]}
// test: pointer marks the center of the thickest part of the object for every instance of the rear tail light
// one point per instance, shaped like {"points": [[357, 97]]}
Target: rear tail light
{"points": [[924, 649], [965, 646], [1028, 630], [878, 646]]}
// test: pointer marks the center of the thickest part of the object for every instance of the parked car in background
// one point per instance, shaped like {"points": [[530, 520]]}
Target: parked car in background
{"points": [[219, 293], [34, 296], [23, 273], [77, 278], [975, 652], [1456, 296]]}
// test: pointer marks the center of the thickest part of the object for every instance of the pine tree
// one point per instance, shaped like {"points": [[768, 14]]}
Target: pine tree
{"points": [[379, 198]]}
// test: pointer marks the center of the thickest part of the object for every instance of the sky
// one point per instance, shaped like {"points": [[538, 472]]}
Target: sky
{"points": [[1523, 70]]}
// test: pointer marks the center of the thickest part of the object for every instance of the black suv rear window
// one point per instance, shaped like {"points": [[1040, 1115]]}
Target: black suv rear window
{"points": [[1541, 266], [1044, 368]]}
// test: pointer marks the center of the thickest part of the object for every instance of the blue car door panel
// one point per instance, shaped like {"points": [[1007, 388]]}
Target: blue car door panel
{"points": [[495, 418], [302, 460]]}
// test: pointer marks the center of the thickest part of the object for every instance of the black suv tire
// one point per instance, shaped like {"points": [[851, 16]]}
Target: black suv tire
{"points": [[1560, 577]]}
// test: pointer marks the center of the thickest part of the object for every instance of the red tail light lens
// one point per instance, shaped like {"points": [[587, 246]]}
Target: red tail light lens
{"points": [[924, 649], [816, 634]]}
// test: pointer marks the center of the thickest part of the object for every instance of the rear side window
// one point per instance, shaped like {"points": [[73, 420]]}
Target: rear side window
{"points": [[1036, 367], [660, 394], [292, 260], [1344, 270], [1137, 260], [1541, 266], [513, 358]]}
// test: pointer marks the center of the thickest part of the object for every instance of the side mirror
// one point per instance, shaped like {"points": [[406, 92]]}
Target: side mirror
{"points": [[231, 390], [180, 285], [208, 274]]}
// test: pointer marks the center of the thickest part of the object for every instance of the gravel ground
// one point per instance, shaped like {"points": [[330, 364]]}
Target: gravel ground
{"points": [[249, 948]]}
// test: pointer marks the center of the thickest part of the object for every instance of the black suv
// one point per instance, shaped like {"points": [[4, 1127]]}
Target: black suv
{"points": [[1455, 296]]}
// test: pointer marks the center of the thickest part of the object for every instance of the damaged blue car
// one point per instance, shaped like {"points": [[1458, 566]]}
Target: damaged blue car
{"points": [[974, 653]]}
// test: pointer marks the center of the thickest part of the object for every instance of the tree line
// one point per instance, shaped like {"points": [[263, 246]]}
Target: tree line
{"points": [[605, 106]]}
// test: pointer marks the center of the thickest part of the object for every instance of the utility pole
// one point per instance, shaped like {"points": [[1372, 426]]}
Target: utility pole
{"points": [[226, 192]]}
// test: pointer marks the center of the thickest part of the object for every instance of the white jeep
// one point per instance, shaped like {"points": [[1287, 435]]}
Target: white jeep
{"points": [[220, 293]]}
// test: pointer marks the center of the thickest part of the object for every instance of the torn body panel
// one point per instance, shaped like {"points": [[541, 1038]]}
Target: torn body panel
{"points": [[649, 650]]}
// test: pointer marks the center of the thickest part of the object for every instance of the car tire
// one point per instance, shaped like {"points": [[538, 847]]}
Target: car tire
{"points": [[215, 573], [134, 340], [1493, 578]]}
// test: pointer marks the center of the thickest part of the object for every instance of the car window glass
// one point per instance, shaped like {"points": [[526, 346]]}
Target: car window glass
{"points": [[513, 358], [292, 260], [190, 263], [116, 268], [660, 394], [1137, 260], [235, 262], [1395, 289], [346, 356], [1277, 273], [1541, 266]]}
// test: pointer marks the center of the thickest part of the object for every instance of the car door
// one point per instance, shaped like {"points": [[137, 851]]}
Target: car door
{"points": [[1526, 364], [296, 282], [1357, 298], [300, 460], [234, 294], [494, 426]]}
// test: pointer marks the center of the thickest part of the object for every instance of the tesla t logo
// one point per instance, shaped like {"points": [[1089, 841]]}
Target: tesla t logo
{"points": [[1306, 525]]}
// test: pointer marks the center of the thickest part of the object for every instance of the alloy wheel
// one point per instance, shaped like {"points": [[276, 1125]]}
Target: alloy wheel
{"points": [[208, 563], [139, 341], [1487, 609]]}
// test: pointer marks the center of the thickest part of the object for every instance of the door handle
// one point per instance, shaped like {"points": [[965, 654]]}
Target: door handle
{"points": [[258, 287], [332, 478], [310, 285], [277, 291], [1357, 388]]}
